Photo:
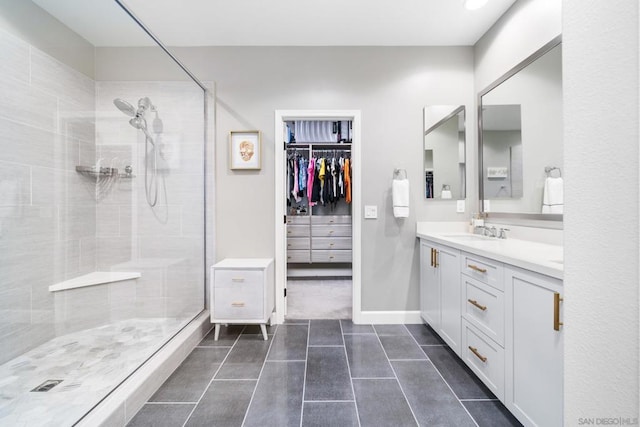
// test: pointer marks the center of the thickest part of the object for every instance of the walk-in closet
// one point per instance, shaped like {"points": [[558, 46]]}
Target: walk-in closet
{"points": [[318, 218]]}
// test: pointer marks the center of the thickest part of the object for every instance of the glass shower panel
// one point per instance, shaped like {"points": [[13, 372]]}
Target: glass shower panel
{"points": [[101, 207]]}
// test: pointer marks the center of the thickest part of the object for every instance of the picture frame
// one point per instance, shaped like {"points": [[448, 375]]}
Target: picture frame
{"points": [[245, 150]]}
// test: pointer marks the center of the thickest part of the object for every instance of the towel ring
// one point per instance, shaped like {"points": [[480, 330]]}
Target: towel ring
{"points": [[549, 169], [399, 174]]}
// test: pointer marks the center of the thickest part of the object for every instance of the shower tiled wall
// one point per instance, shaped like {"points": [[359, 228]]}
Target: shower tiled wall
{"points": [[47, 211], [165, 243]]}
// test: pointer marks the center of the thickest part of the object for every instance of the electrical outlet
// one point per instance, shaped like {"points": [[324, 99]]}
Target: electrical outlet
{"points": [[370, 212], [487, 206], [460, 206]]}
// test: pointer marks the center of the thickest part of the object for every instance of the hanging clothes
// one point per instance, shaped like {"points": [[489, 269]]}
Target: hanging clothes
{"points": [[311, 180], [316, 190], [334, 178], [321, 176], [296, 186], [302, 174], [341, 177], [347, 180]]}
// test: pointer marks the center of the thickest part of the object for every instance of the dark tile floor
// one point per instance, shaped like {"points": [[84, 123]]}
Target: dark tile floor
{"points": [[323, 373]]}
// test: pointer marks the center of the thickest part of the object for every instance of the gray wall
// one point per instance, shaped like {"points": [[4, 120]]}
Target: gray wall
{"points": [[601, 226]]}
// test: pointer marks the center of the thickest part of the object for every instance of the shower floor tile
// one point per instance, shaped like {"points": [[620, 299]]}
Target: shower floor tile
{"points": [[90, 364]]}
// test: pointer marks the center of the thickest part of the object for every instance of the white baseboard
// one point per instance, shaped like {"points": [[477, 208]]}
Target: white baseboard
{"points": [[125, 401], [387, 317]]}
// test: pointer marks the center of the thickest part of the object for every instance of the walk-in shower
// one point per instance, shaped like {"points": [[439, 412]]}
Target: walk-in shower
{"points": [[139, 122], [100, 266]]}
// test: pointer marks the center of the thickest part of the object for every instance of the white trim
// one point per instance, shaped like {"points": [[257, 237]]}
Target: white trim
{"points": [[128, 398], [390, 317], [356, 202]]}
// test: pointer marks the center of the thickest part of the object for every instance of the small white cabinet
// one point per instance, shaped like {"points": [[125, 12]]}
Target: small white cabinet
{"points": [[534, 340], [242, 291], [440, 291]]}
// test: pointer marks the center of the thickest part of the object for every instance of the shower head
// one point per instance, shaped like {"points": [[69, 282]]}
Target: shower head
{"points": [[125, 107]]}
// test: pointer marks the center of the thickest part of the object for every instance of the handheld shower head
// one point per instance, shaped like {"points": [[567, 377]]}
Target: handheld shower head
{"points": [[138, 122], [125, 107]]}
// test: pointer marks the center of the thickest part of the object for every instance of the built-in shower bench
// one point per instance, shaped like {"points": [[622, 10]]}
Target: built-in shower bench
{"points": [[92, 279]]}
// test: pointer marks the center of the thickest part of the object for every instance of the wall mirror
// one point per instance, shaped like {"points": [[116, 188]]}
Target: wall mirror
{"points": [[444, 152], [520, 135]]}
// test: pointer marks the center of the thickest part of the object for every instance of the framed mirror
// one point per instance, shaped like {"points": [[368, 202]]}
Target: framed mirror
{"points": [[520, 137], [444, 147]]}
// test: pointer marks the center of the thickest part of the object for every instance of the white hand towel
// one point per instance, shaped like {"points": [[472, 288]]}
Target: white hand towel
{"points": [[400, 190], [553, 197]]}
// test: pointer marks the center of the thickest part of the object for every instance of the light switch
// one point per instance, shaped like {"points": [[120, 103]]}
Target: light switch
{"points": [[370, 212], [460, 206]]}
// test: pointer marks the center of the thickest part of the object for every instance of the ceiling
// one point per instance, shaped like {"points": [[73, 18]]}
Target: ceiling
{"points": [[279, 22]]}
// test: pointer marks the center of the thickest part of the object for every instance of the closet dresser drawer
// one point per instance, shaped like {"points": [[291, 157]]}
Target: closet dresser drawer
{"points": [[298, 231], [484, 357], [331, 256], [298, 219], [331, 243], [299, 255], [483, 306], [294, 243], [237, 278], [340, 230], [330, 219], [483, 269]]}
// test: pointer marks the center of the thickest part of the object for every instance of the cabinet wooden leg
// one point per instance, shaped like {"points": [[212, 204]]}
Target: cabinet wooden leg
{"points": [[263, 327], [217, 332]]}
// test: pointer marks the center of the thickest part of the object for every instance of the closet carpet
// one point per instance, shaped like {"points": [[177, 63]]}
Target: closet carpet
{"points": [[323, 373], [319, 298]]}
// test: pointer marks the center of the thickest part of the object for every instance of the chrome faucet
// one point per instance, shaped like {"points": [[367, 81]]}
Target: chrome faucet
{"points": [[488, 231], [502, 234]]}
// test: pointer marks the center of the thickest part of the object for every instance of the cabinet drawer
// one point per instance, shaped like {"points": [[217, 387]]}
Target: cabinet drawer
{"points": [[242, 302], [484, 357], [331, 219], [331, 256], [340, 230], [330, 243], [483, 306], [483, 269], [298, 231], [298, 219], [237, 278], [298, 243], [299, 256]]}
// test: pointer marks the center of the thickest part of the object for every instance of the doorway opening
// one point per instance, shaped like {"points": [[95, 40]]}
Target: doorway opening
{"points": [[317, 222]]}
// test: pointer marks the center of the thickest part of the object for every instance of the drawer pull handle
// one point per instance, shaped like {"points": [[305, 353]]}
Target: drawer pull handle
{"points": [[331, 257], [475, 303], [476, 268], [435, 258], [478, 355], [432, 256], [330, 244], [237, 279], [330, 231], [237, 304], [288, 257], [331, 221], [288, 231], [556, 311]]}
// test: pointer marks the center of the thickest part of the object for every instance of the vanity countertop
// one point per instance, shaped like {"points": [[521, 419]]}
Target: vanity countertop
{"points": [[542, 258]]}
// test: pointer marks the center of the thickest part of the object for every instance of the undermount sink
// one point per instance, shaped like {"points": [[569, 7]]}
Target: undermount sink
{"points": [[469, 237], [558, 261]]}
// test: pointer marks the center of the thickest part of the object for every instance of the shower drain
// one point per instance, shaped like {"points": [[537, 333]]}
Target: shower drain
{"points": [[47, 385]]}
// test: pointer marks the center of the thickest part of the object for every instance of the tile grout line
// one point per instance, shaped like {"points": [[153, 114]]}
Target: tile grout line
{"points": [[259, 375], [304, 380], [329, 401], [445, 381], [479, 400], [397, 380], [214, 375], [353, 390], [171, 403]]}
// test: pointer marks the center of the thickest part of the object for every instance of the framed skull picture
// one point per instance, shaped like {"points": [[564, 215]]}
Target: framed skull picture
{"points": [[245, 150]]}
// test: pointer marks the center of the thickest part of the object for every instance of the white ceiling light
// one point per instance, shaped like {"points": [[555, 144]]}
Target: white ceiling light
{"points": [[474, 4]]}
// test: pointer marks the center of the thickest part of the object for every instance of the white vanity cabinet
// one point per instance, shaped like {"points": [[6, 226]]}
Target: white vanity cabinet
{"points": [[440, 291], [534, 339], [502, 316]]}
